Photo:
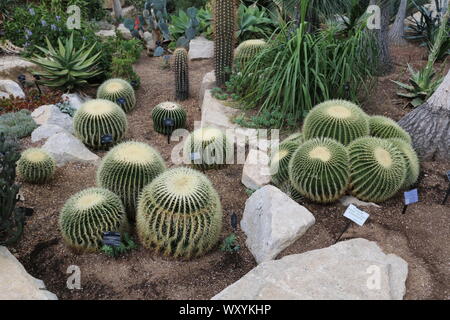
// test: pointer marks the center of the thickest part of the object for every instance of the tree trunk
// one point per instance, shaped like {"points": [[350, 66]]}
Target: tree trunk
{"points": [[117, 7], [397, 31], [382, 34], [429, 125]]}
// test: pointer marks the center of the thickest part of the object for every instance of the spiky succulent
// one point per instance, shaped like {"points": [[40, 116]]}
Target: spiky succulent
{"points": [[247, 50], [378, 169], [168, 110], [36, 166], [18, 124], [127, 169], [337, 119], [98, 118], [296, 138], [319, 170], [118, 91], [411, 159], [279, 162], [207, 148], [87, 215], [386, 128], [181, 74], [179, 214]]}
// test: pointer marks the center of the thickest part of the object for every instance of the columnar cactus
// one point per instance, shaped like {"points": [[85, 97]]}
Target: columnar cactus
{"points": [[386, 128], [224, 33], [118, 91], [97, 118], [181, 74], [179, 214], [337, 119], [319, 170], [87, 215], [168, 110], [279, 162], [411, 159], [127, 169], [378, 169], [36, 166], [247, 50]]}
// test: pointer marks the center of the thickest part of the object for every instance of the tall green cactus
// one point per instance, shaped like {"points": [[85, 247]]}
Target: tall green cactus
{"points": [[224, 32], [181, 74]]}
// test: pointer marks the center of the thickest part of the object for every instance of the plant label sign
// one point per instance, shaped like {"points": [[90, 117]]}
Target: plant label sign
{"points": [[411, 197], [106, 139], [357, 216], [195, 156], [448, 175], [112, 239]]}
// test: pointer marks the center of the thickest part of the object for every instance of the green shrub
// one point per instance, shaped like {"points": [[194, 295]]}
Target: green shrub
{"points": [[36, 166], [386, 128], [254, 22], [411, 160], [118, 91], [168, 110], [17, 124]]}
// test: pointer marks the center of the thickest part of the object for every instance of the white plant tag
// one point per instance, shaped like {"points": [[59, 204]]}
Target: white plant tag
{"points": [[357, 216]]}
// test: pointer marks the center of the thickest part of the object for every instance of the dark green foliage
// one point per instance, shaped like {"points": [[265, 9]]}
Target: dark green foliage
{"points": [[127, 244], [168, 110], [181, 74], [254, 22], [230, 244], [17, 124]]}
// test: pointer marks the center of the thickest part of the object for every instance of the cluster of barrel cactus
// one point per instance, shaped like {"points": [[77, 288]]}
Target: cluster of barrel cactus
{"points": [[118, 91], [168, 111], [181, 74], [36, 166]]}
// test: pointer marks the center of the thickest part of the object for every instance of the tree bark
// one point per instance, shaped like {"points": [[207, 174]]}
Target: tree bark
{"points": [[117, 7], [429, 125], [385, 61], [397, 32]]}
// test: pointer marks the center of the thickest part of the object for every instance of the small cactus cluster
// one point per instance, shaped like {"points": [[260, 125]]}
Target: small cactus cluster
{"points": [[247, 50], [87, 215], [181, 74], [179, 214], [385, 128], [97, 118], [36, 166], [168, 110], [118, 91]]}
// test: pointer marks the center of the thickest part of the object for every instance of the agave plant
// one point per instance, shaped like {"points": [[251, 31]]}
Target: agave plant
{"points": [[67, 67]]}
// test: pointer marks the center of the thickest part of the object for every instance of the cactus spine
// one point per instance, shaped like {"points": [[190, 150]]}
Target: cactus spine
{"points": [[118, 91], [279, 162], [181, 74], [168, 110], [247, 50], [36, 166], [386, 128]]}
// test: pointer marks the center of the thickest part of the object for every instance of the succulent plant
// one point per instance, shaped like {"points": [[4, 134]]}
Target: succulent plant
{"points": [[118, 91], [207, 148], [18, 124], [224, 32], [378, 169], [97, 118], [296, 138], [168, 110], [181, 74], [247, 50], [337, 119], [319, 170], [87, 215], [36, 166], [386, 128], [411, 159], [279, 162], [179, 214], [127, 169]]}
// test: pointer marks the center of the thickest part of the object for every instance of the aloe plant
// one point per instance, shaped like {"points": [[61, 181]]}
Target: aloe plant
{"points": [[67, 67]]}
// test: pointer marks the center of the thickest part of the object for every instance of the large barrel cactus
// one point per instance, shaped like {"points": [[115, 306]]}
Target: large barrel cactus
{"points": [[319, 170], [296, 138], [98, 118], [118, 91], [127, 169], [179, 214], [181, 74], [36, 166], [411, 159], [168, 110], [88, 214], [386, 128], [247, 50], [378, 169], [337, 119], [279, 162]]}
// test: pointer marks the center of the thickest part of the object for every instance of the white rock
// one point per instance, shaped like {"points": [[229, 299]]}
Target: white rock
{"points": [[256, 172], [11, 88], [348, 270], [216, 114], [109, 4], [129, 12], [66, 148], [272, 222], [126, 33], [12, 66], [50, 114], [106, 33], [149, 41], [74, 99], [45, 131], [348, 200], [16, 283], [208, 82], [201, 48]]}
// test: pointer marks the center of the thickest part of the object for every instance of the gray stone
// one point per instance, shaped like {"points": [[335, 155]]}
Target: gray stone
{"points": [[66, 148], [106, 33], [9, 87], [75, 100], [12, 66], [352, 270], [201, 48], [348, 200], [50, 114], [272, 222], [149, 41], [125, 32], [208, 82], [216, 114], [16, 283], [105, 25], [129, 12], [256, 172], [45, 131], [109, 4]]}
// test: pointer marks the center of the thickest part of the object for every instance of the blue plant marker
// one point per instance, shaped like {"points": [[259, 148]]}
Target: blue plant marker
{"points": [[121, 101], [112, 239], [234, 221], [411, 197], [448, 175], [106, 139], [169, 123], [448, 191]]}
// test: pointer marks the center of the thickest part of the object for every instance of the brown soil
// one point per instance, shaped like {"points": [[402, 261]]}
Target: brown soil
{"points": [[420, 237]]}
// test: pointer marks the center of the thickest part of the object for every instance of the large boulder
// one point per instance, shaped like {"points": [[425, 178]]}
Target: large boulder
{"points": [[16, 283], [208, 82], [352, 270], [13, 66], [216, 114], [50, 114], [9, 87], [45, 131], [272, 222], [201, 48], [75, 101], [256, 171], [125, 32], [66, 148]]}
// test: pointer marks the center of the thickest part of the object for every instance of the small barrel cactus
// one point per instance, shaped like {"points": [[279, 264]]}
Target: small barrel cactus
{"points": [[247, 50], [378, 169], [181, 74], [87, 215], [337, 119], [207, 148], [36, 166], [179, 214], [168, 110], [411, 159], [319, 170], [98, 118], [296, 137], [386, 128], [279, 162], [118, 91], [127, 169]]}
